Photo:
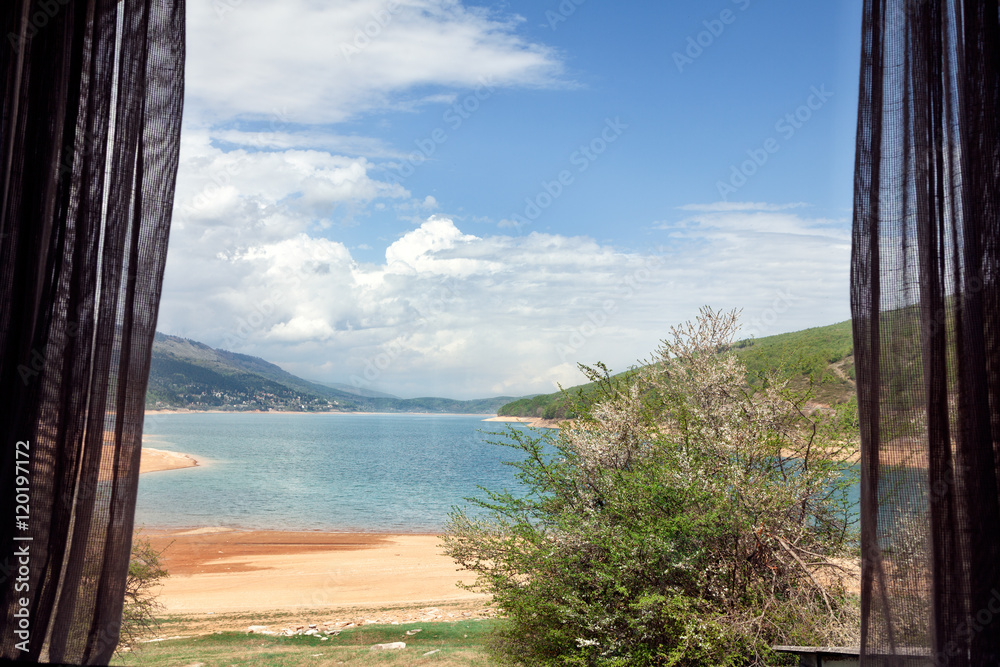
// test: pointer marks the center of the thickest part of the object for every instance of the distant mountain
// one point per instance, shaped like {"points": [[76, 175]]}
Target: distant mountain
{"points": [[357, 391], [190, 375], [820, 359]]}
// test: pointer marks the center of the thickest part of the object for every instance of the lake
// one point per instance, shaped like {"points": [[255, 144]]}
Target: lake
{"points": [[336, 472]]}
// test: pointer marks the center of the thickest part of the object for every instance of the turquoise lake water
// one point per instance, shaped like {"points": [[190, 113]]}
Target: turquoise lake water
{"points": [[336, 472]]}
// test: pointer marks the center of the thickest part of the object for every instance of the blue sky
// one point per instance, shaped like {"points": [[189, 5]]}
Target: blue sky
{"points": [[435, 197]]}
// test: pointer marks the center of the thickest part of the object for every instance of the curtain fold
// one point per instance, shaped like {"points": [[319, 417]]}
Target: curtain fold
{"points": [[925, 303], [91, 112]]}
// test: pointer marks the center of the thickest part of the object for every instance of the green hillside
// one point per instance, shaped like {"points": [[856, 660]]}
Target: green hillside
{"points": [[821, 358], [818, 359], [190, 375]]}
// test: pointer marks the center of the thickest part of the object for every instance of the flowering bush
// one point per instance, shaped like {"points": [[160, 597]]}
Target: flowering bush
{"points": [[683, 519]]}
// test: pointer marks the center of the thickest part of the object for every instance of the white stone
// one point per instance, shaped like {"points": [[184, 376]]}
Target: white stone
{"points": [[391, 646]]}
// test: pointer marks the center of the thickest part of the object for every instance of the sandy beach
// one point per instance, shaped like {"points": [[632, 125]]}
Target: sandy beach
{"points": [[218, 572], [156, 460], [534, 422]]}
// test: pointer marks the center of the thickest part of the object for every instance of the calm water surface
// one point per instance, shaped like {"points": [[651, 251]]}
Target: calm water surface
{"points": [[377, 473]]}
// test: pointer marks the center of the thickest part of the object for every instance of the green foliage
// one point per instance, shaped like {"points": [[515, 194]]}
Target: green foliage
{"points": [[139, 612], [686, 518], [546, 406]]}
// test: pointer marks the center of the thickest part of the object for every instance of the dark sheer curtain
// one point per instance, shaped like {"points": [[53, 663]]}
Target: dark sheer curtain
{"points": [[926, 306], [92, 99]]}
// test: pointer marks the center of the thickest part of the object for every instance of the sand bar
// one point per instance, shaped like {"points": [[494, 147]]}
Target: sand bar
{"points": [[155, 460], [218, 570], [534, 422]]}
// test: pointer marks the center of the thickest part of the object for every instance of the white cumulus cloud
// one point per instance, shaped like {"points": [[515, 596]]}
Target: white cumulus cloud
{"points": [[324, 62], [452, 313]]}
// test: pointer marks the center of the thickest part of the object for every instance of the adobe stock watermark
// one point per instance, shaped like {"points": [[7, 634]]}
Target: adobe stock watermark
{"points": [[30, 25], [453, 117], [977, 623], [581, 158], [598, 318], [769, 316], [223, 7], [22, 539], [696, 44], [363, 35], [261, 312], [562, 13], [786, 127], [445, 293], [223, 178]]}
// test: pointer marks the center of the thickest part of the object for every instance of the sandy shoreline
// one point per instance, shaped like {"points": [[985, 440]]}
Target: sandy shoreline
{"points": [[534, 422], [156, 460], [221, 577], [348, 576], [220, 570]]}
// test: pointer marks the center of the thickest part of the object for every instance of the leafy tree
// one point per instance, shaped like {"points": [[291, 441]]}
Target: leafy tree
{"points": [[688, 517], [145, 570]]}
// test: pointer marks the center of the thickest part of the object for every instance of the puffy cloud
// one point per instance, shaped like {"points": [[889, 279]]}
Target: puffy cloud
{"points": [[324, 62], [253, 266], [435, 249], [451, 313], [253, 185]]}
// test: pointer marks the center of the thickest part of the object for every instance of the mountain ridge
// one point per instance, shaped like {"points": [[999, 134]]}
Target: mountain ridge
{"points": [[189, 375]]}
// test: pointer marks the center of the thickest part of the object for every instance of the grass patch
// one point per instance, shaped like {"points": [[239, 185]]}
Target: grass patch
{"points": [[457, 644], [820, 359]]}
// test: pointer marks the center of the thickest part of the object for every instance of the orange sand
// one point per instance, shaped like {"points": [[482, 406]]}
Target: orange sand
{"points": [[155, 460], [219, 570]]}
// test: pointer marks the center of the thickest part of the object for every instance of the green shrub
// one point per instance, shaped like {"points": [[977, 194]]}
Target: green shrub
{"points": [[684, 519]]}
